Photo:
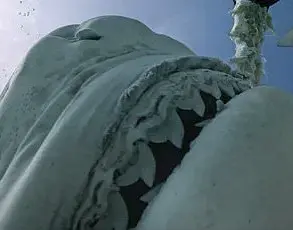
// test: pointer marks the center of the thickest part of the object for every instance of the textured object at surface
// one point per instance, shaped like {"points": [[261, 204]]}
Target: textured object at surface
{"points": [[251, 21], [262, 3]]}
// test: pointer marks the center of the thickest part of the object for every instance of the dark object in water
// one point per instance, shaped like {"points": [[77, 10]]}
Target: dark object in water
{"points": [[263, 3]]}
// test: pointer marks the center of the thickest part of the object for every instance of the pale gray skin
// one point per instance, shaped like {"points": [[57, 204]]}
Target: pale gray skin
{"points": [[84, 104]]}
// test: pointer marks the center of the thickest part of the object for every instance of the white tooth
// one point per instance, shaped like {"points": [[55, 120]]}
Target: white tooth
{"points": [[227, 88], [220, 105], [193, 102], [157, 134], [147, 164], [203, 123], [117, 212], [174, 129], [198, 105], [216, 91], [206, 88], [243, 86], [190, 84], [200, 78], [141, 109], [149, 196], [163, 107], [185, 103], [130, 176], [150, 128], [211, 89], [236, 87], [133, 135]]}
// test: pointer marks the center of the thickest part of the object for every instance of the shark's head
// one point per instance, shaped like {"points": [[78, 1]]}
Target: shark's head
{"points": [[107, 120]]}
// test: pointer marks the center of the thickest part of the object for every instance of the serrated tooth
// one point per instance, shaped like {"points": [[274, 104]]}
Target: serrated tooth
{"points": [[149, 196], [228, 89], [117, 212], [243, 86], [220, 105], [199, 105], [157, 134], [141, 109], [203, 123], [194, 102], [174, 129], [131, 176], [147, 164], [206, 88], [185, 103], [236, 87], [189, 84], [163, 107], [133, 135], [216, 93]]}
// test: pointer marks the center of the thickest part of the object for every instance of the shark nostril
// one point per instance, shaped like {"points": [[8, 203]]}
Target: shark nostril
{"points": [[87, 34], [66, 32]]}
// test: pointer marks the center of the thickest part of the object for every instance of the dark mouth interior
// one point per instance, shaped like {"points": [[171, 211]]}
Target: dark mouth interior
{"points": [[168, 156]]}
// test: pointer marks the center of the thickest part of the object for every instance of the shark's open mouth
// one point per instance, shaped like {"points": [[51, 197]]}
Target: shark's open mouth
{"points": [[159, 116], [168, 156]]}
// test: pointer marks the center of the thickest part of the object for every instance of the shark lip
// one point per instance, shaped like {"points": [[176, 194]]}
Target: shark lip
{"points": [[168, 156]]}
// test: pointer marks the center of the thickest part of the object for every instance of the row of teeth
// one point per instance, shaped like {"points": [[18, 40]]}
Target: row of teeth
{"points": [[171, 129], [162, 124], [165, 124], [181, 90]]}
